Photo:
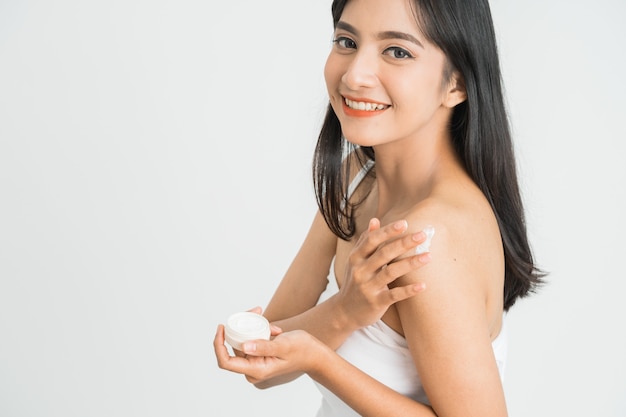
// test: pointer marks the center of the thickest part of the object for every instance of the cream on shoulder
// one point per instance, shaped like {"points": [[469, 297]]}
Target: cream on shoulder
{"points": [[423, 247]]}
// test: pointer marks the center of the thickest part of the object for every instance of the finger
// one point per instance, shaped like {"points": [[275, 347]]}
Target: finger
{"points": [[395, 270], [402, 293], [257, 310], [392, 250], [261, 347], [275, 330], [237, 364], [221, 351], [371, 240], [373, 225]]}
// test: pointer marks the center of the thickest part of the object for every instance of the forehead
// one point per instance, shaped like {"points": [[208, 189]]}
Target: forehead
{"points": [[381, 15]]}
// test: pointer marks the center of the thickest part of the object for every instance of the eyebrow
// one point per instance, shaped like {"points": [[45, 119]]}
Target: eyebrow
{"points": [[388, 34]]}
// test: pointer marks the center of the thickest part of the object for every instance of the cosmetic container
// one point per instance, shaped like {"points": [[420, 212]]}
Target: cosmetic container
{"points": [[244, 326]]}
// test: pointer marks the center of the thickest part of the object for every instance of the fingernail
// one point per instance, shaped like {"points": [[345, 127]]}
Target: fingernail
{"points": [[418, 236], [425, 246], [425, 257], [402, 224], [249, 347]]}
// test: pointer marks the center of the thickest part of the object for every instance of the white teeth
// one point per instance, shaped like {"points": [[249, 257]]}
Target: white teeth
{"points": [[362, 105]]}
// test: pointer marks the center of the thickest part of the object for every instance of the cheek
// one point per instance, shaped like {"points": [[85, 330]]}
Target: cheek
{"points": [[332, 76], [419, 90]]}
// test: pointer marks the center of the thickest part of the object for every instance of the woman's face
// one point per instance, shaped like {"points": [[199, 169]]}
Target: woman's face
{"points": [[385, 81]]}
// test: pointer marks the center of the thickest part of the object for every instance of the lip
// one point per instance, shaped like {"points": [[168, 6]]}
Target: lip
{"points": [[348, 111]]}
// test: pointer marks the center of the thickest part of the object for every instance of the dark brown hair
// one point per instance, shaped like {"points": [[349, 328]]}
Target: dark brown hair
{"points": [[463, 30]]}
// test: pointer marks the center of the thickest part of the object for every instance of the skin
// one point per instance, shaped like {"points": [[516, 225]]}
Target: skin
{"points": [[419, 181]]}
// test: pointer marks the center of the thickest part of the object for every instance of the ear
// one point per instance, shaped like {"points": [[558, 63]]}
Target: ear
{"points": [[455, 93]]}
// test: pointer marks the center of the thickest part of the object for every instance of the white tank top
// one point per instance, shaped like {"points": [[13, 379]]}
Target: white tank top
{"points": [[382, 353]]}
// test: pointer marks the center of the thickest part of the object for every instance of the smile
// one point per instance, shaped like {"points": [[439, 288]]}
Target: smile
{"points": [[364, 105]]}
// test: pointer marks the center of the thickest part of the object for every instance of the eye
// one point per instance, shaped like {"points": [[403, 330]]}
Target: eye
{"points": [[398, 53], [343, 42]]}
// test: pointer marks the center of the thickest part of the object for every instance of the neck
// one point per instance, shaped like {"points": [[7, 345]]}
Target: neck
{"points": [[407, 173]]}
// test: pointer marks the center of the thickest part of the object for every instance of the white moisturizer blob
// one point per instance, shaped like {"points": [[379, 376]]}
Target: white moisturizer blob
{"points": [[425, 245], [244, 326]]}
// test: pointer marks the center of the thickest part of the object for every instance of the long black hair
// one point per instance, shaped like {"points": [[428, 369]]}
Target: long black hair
{"points": [[479, 127]]}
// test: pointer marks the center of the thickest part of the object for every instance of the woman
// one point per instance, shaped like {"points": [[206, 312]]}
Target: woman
{"points": [[415, 137]]}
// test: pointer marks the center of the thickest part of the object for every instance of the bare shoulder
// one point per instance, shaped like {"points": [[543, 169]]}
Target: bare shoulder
{"points": [[450, 326], [466, 274], [466, 229]]}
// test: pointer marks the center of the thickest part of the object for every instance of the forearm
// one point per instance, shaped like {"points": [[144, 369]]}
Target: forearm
{"points": [[364, 394], [326, 321]]}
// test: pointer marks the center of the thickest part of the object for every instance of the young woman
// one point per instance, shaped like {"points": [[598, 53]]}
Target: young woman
{"points": [[416, 138]]}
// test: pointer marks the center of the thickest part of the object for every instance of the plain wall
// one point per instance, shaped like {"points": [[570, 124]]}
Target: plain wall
{"points": [[155, 178]]}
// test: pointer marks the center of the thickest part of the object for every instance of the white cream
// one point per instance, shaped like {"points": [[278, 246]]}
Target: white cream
{"points": [[425, 246]]}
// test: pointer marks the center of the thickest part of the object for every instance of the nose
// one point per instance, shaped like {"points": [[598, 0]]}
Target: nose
{"points": [[361, 72]]}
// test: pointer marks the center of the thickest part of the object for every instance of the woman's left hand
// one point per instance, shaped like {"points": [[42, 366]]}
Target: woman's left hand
{"points": [[287, 353]]}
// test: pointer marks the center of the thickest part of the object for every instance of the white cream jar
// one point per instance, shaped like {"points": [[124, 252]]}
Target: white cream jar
{"points": [[244, 326]]}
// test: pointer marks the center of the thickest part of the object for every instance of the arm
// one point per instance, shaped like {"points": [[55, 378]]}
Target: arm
{"points": [[448, 331], [299, 351], [306, 277], [364, 296], [294, 304]]}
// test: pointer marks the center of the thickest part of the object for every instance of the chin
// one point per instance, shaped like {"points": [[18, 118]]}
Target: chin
{"points": [[356, 139], [364, 138]]}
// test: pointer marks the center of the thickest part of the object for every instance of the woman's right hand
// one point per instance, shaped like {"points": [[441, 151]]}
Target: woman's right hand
{"points": [[287, 355], [374, 263]]}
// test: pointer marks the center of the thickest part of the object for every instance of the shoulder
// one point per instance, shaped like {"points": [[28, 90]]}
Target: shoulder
{"points": [[449, 325], [467, 259], [464, 224]]}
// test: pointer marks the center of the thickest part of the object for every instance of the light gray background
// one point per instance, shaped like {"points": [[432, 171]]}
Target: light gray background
{"points": [[155, 177]]}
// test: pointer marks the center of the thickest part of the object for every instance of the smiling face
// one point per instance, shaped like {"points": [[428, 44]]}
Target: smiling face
{"points": [[385, 80]]}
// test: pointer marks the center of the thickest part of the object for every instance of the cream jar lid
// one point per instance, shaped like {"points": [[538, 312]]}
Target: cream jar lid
{"points": [[244, 326]]}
